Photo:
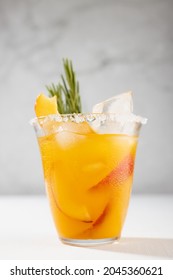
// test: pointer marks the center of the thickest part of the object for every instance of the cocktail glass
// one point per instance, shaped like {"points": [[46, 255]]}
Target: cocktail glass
{"points": [[88, 162]]}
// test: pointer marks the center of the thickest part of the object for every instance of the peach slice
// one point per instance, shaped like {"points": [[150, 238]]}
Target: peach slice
{"points": [[45, 105], [120, 173], [69, 227], [111, 220], [66, 226]]}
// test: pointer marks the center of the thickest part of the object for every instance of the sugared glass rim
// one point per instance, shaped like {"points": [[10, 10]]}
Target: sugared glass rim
{"points": [[89, 117]]}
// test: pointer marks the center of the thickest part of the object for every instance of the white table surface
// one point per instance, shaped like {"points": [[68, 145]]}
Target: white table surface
{"points": [[27, 231]]}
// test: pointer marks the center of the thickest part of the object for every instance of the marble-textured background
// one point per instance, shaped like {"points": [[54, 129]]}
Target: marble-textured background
{"points": [[115, 45]]}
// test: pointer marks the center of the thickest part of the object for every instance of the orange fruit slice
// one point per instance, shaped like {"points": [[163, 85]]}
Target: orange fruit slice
{"points": [[45, 105]]}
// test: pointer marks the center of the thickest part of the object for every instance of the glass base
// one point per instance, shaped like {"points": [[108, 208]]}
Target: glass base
{"points": [[88, 242]]}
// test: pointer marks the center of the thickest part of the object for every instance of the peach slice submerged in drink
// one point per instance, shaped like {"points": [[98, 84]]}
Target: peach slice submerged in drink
{"points": [[88, 162]]}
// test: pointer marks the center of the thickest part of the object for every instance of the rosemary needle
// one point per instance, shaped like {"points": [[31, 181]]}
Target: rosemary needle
{"points": [[67, 91]]}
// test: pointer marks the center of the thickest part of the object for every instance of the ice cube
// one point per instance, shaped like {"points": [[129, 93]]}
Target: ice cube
{"points": [[69, 133], [118, 114], [119, 104]]}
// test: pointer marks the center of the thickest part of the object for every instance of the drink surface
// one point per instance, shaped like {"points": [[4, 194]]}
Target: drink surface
{"points": [[88, 179]]}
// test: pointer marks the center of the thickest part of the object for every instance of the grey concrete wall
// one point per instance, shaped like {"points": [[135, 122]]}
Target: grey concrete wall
{"points": [[115, 46]]}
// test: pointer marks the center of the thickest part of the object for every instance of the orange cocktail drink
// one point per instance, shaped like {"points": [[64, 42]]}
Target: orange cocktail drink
{"points": [[88, 176]]}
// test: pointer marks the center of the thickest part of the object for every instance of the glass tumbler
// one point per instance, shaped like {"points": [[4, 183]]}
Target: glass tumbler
{"points": [[88, 163]]}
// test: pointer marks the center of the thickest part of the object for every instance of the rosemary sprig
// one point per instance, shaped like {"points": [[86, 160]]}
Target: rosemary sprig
{"points": [[67, 91]]}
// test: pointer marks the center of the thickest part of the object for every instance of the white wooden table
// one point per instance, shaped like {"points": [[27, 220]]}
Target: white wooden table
{"points": [[27, 231]]}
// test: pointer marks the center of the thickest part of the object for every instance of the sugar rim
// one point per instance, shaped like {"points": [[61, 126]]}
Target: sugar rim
{"points": [[89, 117]]}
